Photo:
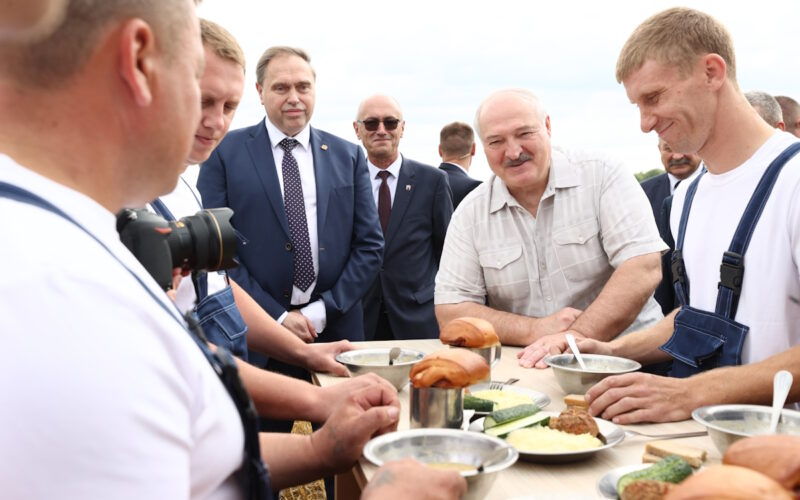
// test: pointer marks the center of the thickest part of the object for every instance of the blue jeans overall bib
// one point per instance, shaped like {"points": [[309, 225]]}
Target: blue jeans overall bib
{"points": [[221, 320], [704, 340], [253, 475]]}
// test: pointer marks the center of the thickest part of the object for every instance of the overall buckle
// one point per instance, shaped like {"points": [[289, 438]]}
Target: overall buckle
{"points": [[731, 272], [678, 268]]}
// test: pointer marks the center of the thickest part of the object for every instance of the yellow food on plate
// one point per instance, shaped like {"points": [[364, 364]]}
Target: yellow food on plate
{"points": [[503, 399], [547, 440]]}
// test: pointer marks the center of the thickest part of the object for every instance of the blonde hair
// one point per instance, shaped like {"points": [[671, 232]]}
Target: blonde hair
{"points": [[677, 37], [221, 42]]}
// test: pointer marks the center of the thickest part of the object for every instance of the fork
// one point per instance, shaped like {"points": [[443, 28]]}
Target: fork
{"points": [[674, 435], [496, 385]]}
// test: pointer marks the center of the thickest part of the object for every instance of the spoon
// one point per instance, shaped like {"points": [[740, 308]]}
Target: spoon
{"points": [[394, 353], [575, 351], [496, 456], [780, 390]]}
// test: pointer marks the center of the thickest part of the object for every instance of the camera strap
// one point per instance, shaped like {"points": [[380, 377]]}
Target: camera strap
{"points": [[254, 473]]}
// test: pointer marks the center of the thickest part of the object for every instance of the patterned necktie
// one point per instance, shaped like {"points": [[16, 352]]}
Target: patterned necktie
{"points": [[384, 200], [296, 213]]}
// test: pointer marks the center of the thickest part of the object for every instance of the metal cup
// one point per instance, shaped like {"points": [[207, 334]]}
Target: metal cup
{"points": [[491, 354], [435, 407]]}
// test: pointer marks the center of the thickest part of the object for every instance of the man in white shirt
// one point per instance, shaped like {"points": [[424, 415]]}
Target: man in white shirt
{"points": [[686, 91], [107, 394]]}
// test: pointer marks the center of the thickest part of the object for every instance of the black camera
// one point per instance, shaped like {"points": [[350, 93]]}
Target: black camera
{"points": [[204, 241]]}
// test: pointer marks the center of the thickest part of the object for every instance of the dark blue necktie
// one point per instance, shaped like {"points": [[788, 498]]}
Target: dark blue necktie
{"points": [[296, 213]]}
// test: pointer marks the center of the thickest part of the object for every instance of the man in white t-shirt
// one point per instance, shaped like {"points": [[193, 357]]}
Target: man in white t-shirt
{"points": [[105, 393], [690, 97]]}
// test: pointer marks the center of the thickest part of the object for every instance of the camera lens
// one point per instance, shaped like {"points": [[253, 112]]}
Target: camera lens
{"points": [[205, 240]]}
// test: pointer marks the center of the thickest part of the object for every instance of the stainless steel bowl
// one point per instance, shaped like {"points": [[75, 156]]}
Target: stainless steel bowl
{"points": [[574, 380], [376, 361], [435, 407], [432, 446], [727, 424]]}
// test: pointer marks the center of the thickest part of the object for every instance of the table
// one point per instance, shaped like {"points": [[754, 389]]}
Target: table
{"points": [[575, 480]]}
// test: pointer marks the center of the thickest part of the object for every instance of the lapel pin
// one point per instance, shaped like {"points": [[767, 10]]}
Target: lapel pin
{"points": [[324, 147], [408, 187]]}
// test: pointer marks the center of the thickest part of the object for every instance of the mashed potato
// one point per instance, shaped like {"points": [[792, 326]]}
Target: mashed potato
{"points": [[545, 439], [504, 399]]}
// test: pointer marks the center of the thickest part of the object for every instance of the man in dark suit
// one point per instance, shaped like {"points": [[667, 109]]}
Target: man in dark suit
{"points": [[414, 209], [311, 243], [457, 147], [659, 191]]}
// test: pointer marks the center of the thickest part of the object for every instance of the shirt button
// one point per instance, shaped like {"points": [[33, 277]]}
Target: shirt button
{"points": [[548, 299], [288, 247], [543, 266]]}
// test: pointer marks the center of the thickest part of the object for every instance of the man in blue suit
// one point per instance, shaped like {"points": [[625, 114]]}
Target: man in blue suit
{"points": [[659, 189], [311, 243], [414, 208], [457, 147]]}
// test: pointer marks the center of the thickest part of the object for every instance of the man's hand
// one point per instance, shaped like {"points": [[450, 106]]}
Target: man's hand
{"points": [[322, 357], [331, 396], [362, 414], [410, 479], [641, 397], [557, 322], [533, 355], [301, 326]]}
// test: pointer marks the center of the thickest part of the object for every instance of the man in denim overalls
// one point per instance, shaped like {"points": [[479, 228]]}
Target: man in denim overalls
{"points": [[736, 227]]}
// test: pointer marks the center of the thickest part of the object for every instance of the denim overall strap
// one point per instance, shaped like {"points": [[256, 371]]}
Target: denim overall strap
{"points": [[199, 278], [254, 473], [731, 270], [680, 280]]}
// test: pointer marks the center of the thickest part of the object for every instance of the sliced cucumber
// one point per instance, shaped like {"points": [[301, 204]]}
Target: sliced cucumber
{"points": [[478, 404], [513, 413], [503, 429]]}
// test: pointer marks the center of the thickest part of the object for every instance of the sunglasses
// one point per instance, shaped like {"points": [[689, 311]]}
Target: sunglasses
{"points": [[372, 124]]}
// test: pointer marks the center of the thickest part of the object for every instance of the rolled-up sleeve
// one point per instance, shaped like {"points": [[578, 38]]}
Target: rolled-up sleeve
{"points": [[460, 277]]}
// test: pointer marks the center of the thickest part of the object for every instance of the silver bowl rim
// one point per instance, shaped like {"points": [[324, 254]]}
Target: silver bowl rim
{"points": [[699, 415], [511, 459], [341, 357], [549, 360]]}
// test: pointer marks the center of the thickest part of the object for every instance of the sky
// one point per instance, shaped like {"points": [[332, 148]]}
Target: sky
{"points": [[441, 58]]}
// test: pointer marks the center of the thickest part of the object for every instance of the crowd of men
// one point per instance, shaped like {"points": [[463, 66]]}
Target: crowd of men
{"points": [[119, 393]]}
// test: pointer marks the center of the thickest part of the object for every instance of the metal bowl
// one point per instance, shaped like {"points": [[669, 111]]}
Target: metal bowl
{"points": [[440, 446], [376, 361], [574, 380], [727, 424]]}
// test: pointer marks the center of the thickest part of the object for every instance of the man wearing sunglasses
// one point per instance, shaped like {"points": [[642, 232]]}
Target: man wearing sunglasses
{"points": [[414, 208]]}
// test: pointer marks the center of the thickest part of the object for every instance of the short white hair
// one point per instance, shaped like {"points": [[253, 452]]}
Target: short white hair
{"points": [[525, 94]]}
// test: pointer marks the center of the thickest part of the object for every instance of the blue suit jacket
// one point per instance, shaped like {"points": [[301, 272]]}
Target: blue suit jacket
{"points": [[460, 183], [657, 190], [414, 238], [241, 174]]}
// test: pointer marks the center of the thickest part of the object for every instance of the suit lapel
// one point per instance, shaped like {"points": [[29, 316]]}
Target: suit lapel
{"points": [[260, 150], [322, 177], [402, 197]]}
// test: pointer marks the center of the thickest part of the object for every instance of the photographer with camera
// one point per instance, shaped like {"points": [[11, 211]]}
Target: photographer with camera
{"points": [[106, 393]]}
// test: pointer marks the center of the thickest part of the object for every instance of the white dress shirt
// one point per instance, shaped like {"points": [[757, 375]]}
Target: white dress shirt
{"points": [[391, 180], [305, 164], [673, 181], [106, 391]]}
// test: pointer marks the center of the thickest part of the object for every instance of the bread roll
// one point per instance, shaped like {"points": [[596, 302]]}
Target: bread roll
{"points": [[469, 332], [777, 456], [728, 482], [449, 368]]}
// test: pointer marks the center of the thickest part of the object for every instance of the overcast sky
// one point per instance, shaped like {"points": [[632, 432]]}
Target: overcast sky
{"points": [[440, 58]]}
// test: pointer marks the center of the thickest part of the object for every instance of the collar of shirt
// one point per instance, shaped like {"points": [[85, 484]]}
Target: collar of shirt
{"points": [[391, 181], [673, 181], [276, 136], [459, 166], [561, 176]]}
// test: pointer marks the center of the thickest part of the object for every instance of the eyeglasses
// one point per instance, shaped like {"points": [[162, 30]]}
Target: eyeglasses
{"points": [[372, 124]]}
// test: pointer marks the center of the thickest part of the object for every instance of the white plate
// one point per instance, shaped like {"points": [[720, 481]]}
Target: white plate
{"points": [[539, 399], [613, 434], [607, 485]]}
